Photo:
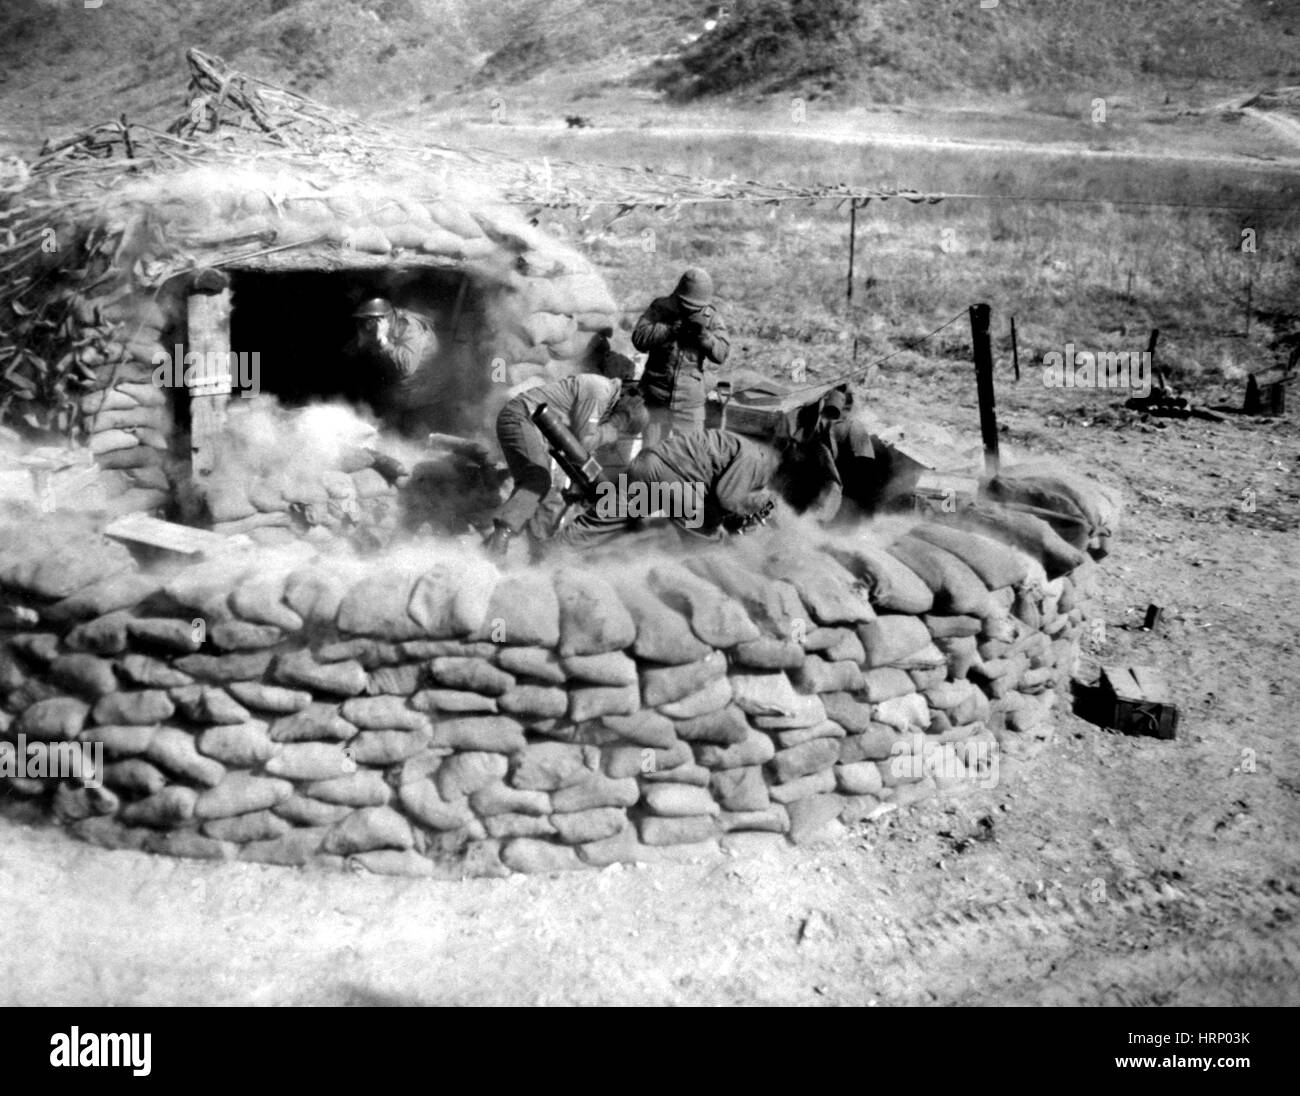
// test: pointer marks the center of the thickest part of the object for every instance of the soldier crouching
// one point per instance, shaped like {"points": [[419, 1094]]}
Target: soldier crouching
{"points": [[599, 411], [705, 482]]}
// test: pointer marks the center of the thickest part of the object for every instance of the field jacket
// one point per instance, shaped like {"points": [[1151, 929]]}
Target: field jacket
{"points": [[732, 472], [407, 378], [678, 354], [582, 401]]}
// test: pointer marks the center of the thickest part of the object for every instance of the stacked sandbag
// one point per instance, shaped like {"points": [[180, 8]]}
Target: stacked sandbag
{"points": [[325, 506], [426, 715], [1082, 512], [128, 426]]}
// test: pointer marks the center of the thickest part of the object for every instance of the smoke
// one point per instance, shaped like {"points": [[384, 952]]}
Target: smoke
{"points": [[264, 439]]}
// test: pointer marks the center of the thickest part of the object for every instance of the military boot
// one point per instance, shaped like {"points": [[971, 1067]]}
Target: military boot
{"points": [[497, 542]]}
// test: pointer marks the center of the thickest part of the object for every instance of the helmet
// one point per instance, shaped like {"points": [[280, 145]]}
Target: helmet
{"points": [[694, 288], [376, 306], [629, 414]]}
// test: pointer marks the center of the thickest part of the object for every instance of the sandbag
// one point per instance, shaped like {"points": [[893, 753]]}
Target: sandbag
{"points": [[592, 618], [537, 663], [764, 694], [377, 606], [890, 639], [664, 684], [768, 653], [663, 634], [725, 726], [773, 605], [831, 593], [957, 589], [716, 618], [892, 586], [1028, 533], [997, 565], [610, 668], [367, 829], [711, 698], [523, 611], [885, 683], [451, 600]]}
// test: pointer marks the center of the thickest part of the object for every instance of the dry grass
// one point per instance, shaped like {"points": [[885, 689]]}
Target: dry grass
{"points": [[1100, 275]]}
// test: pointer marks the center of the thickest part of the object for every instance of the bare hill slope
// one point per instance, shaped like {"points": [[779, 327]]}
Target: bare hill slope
{"points": [[368, 54]]}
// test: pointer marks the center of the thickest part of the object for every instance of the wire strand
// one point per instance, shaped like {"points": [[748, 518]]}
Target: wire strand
{"points": [[857, 371]]}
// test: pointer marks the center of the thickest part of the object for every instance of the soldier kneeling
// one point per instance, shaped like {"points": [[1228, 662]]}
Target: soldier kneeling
{"points": [[598, 410], [706, 482]]}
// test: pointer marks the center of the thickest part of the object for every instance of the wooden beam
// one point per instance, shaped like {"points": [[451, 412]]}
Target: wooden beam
{"points": [[166, 536], [210, 382]]}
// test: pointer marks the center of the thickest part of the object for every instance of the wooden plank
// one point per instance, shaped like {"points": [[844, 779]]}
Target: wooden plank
{"points": [[168, 536], [1152, 685], [209, 337]]}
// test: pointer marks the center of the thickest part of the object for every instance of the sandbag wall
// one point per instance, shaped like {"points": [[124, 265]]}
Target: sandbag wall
{"points": [[437, 717]]}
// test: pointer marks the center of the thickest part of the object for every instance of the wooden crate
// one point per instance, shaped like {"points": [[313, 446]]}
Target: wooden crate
{"points": [[1136, 701], [1266, 392]]}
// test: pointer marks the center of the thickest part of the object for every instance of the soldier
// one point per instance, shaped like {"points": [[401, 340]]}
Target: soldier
{"points": [[607, 361], [402, 345], [831, 459], [599, 411], [706, 482], [683, 335]]}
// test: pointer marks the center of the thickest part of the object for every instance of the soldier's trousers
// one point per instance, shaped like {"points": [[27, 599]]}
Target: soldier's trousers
{"points": [[535, 503], [664, 421], [605, 519]]}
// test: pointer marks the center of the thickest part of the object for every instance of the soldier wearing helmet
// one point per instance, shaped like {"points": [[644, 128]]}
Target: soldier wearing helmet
{"points": [[399, 346], [683, 335], [599, 410]]}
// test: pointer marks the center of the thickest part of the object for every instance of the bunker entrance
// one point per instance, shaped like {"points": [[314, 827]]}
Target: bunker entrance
{"points": [[292, 335]]}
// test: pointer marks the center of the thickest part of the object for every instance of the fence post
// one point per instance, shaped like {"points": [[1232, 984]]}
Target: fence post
{"points": [[983, 352], [1015, 349], [853, 239], [1156, 372]]}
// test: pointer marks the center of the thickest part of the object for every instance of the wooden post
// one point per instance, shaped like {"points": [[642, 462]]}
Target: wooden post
{"points": [[979, 329], [1151, 353], [458, 307], [853, 239], [1015, 349], [209, 383]]}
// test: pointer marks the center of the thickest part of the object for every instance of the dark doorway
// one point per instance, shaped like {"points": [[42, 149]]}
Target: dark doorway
{"points": [[299, 324]]}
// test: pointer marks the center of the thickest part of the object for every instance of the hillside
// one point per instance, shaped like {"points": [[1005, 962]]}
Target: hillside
{"points": [[379, 54]]}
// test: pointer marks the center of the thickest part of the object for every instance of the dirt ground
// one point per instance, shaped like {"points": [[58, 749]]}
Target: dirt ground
{"points": [[1108, 870]]}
